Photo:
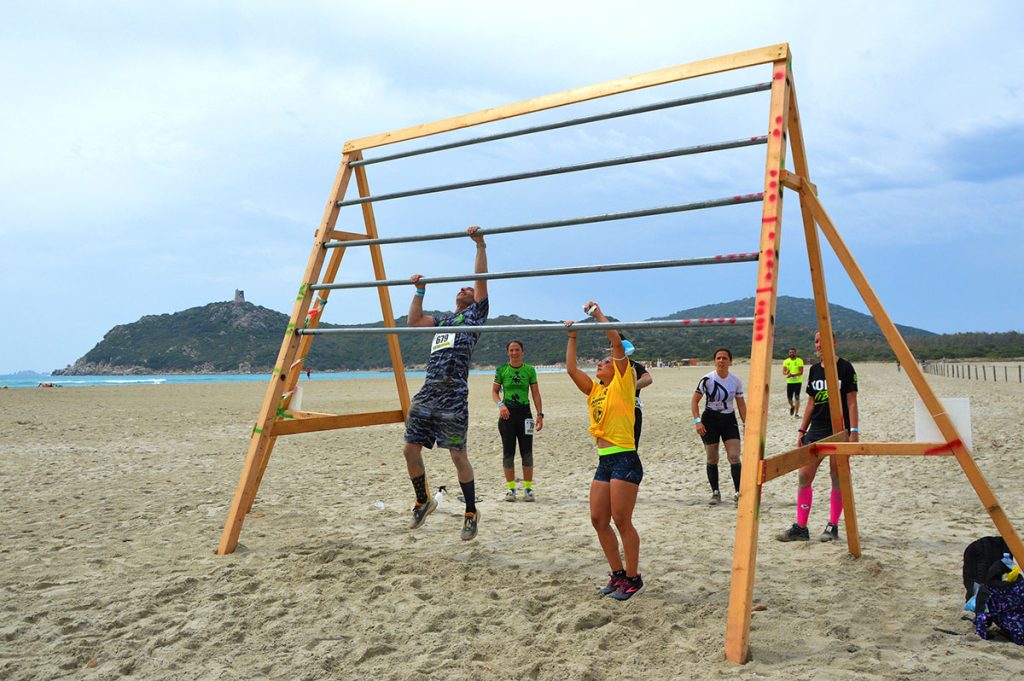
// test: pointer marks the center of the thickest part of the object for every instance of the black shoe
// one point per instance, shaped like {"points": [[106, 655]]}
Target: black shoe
{"points": [[421, 511], [794, 533], [831, 533], [469, 526], [614, 582], [716, 498]]}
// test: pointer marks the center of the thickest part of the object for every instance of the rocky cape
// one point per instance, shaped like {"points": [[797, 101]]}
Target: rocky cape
{"points": [[240, 337]]}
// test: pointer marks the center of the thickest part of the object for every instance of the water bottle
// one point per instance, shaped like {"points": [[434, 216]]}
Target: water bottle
{"points": [[1014, 570]]}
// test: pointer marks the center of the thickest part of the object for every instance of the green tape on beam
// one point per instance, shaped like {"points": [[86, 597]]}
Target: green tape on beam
{"points": [[302, 292], [290, 329], [257, 431], [283, 414], [277, 370]]}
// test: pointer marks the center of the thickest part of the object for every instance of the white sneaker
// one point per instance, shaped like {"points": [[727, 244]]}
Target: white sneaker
{"points": [[510, 495], [528, 495], [716, 499]]}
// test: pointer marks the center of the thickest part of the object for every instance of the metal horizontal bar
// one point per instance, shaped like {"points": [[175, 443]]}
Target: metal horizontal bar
{"points": [[619, 113], [503, 328], [589, 219], [520, 274], [654, 156]]}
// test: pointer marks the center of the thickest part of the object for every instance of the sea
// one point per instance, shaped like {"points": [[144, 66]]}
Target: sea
{"points": [[23, 380], [29, 380]]}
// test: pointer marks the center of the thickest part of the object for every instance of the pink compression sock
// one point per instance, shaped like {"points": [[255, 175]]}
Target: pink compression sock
{"points": [[803, 505], [835, 506]]}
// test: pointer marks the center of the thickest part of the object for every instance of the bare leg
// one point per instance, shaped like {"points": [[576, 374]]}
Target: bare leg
{"points": [[623, 499], [600, 518], [463, 467], [414, 460]]}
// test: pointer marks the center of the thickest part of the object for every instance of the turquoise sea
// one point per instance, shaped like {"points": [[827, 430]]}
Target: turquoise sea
{"points": [[33, 380]]}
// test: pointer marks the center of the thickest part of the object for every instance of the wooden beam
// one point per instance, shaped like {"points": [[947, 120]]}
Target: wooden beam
{"points": [[313, 423], [744, 562], [909, 363], [738, 60], [828, 351], [262, 440], [892, 449], [794, 181], [337, 235], [787, 462], [383, 292]]}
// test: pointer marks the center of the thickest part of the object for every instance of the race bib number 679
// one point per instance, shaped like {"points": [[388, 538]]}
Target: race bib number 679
{"points": [[442, 341]]}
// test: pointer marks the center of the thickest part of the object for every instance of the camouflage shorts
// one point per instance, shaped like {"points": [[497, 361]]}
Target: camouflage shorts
{"points": [[429, 422]]}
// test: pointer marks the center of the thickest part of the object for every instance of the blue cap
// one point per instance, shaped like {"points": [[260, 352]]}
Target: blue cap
{"points": [[628, 347]]}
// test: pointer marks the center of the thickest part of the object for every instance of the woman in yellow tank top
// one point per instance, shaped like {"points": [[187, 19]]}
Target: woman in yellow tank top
{"points": [[611, 401]]}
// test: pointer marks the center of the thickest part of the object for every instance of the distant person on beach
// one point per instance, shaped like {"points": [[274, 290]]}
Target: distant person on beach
{"points": [[308, 372], [514, 382], [723, 397], [643, 379], [793, 370], [815, 425], [440, 410], [611, 403]]}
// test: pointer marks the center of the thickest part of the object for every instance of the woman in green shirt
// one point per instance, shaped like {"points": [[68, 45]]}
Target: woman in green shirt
{"points": [[514, 382]]}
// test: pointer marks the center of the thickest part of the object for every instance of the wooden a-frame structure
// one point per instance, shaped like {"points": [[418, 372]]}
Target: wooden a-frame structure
{"points": [[277, 419]]}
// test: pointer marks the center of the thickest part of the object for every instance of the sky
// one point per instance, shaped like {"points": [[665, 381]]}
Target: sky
{"points": [[157, 156]]}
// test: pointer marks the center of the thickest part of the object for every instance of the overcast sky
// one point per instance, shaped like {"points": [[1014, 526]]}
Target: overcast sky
{"points": [[157, 156]]}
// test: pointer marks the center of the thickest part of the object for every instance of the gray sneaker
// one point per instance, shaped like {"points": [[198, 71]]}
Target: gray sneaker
{"points": [[528, 495], [510, 495], [794, 533], [831, 533], [469, 526], [421, 511], [716, 498]]}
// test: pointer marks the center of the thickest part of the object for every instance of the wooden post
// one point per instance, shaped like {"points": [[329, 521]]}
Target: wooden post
{"points": [[741, 595], [924, 391], [262, 440], [829, 357], [383, 292]]}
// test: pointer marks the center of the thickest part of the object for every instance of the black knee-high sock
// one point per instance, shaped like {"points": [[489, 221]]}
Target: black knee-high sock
{"points": [[713, 476], [735, 469], [419, 483], [469, 491]]}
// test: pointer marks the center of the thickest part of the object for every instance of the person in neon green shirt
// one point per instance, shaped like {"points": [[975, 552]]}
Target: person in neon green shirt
{"points": [[793, 370], [514, 382]]}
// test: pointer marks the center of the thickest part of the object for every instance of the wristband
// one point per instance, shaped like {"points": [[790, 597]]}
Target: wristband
{"points": [[540, 414], [501, 404], [421, 292], [854, 430], [696, 420], [801, 430]]}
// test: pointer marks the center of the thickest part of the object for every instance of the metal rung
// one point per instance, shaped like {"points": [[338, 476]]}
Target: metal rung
{"points": [[684, 151], [503, 328], [589, 219], [658, 106], [582, 269]]}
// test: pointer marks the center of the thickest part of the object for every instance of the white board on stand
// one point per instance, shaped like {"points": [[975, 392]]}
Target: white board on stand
{"points": [[959, 411]]}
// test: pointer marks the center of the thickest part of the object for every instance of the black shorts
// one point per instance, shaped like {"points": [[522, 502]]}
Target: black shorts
{"points": [[793, 391], [719, 426], [623, 466], [429, 423]]}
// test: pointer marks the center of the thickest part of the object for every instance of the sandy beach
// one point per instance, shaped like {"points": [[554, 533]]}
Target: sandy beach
{"points": [[113, 500]]}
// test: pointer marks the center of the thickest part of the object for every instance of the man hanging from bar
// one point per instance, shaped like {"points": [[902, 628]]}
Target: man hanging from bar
{"points": [[440, 410]]}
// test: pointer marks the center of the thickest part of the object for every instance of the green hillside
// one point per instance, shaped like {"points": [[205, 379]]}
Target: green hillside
{"points": [[242, 337]]}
